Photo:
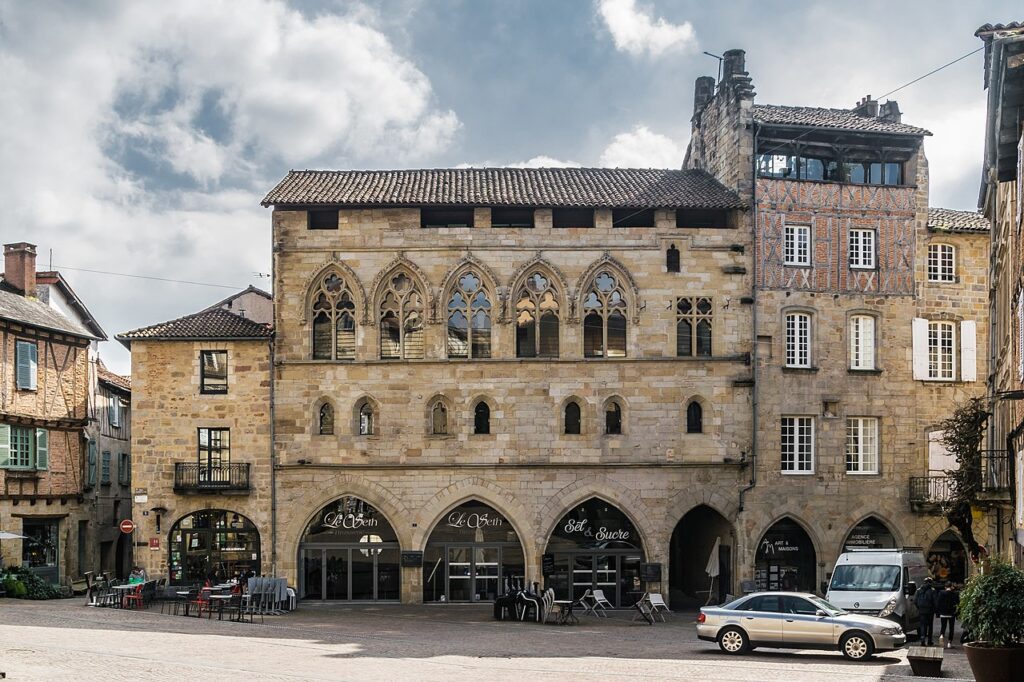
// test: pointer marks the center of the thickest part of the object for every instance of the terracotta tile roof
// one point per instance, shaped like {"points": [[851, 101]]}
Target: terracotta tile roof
{"points": [[831, 119], [35, 313], [949, 220], [115, 380], [208, 324], [544, 187]]}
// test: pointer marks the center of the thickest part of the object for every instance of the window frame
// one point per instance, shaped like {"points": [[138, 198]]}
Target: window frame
{"points": [[694, 317], [862, 461], [509, 214], [481, 428], [222, 459], [316, 224], [366, 427], [865, 253], [605, 311], [796, 467], [326, 408], [338, 304], [31, 363], [858, 349], [941, 256], [470, 309], [404, 311], [612, 406], [105, 459], [214, 389], [938, 375], [124, 468], [535, 298], [565, 418], [793, 340], [791, 245], [691, 419]]}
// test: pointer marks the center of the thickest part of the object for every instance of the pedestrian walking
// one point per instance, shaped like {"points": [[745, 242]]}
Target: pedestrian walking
{"points": [[946, 602], [925, 601]]}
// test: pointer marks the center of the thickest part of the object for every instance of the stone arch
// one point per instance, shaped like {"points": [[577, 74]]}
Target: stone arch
{"points": [[342, 269], [607, 262], [492, 405], [333, 487], [366, 399], [585, 416], [625, 499], [400, 264], [868, 511], [227, 506], [428, 414], [710, 416], [481, 490], [786, 513], [539, 263], [623, 404], [490, 281], [314, 421], [690, 541]]}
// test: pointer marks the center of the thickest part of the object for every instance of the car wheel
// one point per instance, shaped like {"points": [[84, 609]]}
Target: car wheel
{"points": [[733, 641], [857, 646]]}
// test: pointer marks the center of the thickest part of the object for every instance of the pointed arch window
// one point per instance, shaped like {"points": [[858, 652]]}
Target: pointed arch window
{"points": [[334, 320], [693, 327], [325, 425], [482, 418], [604, 319], [469, 319], [438, 419], [694, 417], [366, 419], [401, 320], [672, 259], [573, 419], [613, 418], [537, 317]]}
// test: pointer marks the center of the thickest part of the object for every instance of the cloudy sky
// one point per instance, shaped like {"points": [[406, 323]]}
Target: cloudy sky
{"points": [[139, 137]]}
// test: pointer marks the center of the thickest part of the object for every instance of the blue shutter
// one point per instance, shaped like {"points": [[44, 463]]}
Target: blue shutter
{"points": [[5, 445], [42, 449]]}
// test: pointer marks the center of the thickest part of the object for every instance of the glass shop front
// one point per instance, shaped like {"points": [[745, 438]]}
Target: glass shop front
{"points": [[213, 544]]}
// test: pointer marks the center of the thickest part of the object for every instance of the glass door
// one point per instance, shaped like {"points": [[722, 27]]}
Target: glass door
{"points": [[389, 579], [336, 573], [605, 574], [582, 574], [362, 574], [486, 563], [460, 574], [312, 574]]}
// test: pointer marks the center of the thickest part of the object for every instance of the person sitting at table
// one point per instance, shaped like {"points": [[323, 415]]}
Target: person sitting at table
{"points": [[138, 575]]}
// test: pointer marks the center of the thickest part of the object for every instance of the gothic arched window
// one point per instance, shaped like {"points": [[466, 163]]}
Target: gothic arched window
{"points": [[604, 318], [482, 418], [469, 319], [334, 320], [326, 420], [573, 418], [438, 419], [365, 419], [694, 417], [613, 418], [672, 259], [401, 319], [537, 318]]}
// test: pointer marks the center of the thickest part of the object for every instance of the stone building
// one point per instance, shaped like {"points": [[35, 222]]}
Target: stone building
{"points": [[1002, 201], [491, 374], [870, 310], [44, 414], [201, 401]]}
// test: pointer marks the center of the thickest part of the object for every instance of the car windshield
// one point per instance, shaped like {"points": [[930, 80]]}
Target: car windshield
{"points": [[865, 578], [825, 606]]}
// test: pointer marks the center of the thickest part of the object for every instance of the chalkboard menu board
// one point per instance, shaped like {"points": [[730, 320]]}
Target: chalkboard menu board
{"points": [[650, 573], [412, 559], [548, 564]]}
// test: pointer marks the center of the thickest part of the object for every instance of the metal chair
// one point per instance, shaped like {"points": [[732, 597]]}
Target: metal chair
{"points": [[658, 606], [601, 602]]}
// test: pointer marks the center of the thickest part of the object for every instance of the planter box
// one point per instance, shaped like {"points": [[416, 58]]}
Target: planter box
{"points": [[925, 661], [991, 664]]}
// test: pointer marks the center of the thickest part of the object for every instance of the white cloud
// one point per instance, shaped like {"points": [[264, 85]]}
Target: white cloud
{"points": [[642, 148], [954, 153], [540, 161], [635, 31]]}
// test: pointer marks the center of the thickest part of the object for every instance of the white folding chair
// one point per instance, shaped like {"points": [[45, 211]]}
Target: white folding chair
{"points": [[658, 606], [601, 602], [587, 602], [550, 607]]}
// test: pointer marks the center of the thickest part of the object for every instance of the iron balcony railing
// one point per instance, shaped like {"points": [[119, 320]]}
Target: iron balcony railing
{"points": [[225, 478], [937, 488]]}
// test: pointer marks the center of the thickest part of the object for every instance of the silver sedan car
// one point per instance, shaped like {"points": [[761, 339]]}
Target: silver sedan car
{"points": [[796, 620]]}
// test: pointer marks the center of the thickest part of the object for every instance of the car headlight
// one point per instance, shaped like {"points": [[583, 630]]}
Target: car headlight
{"points": [[889, 608], [892, 631]]}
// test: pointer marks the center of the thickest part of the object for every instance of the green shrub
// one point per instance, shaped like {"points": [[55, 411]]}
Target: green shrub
{"points": [[22, 583], [992, 605]]}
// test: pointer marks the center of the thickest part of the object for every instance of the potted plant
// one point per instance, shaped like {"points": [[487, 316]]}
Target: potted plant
{"points": [[992, 611]]}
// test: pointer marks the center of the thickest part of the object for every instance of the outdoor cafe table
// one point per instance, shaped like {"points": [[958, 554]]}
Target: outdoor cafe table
{"points": [[565, 614], [122, 590], [221, 601]]}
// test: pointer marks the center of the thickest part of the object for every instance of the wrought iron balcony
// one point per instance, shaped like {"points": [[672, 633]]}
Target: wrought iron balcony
{"points": [[928, 492], [202, 478]]}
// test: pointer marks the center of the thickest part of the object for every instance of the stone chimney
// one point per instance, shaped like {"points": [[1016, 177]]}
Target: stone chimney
{"points": [[735, 76], [20, 267], [703, 91], [890, 112], [867, 107], [734, 62]]}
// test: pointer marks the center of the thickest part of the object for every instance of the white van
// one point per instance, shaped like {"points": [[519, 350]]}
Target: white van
{"points": [[879, 582]]}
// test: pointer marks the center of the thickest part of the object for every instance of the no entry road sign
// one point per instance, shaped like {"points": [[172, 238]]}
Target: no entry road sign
{"points": [[127, 526]]}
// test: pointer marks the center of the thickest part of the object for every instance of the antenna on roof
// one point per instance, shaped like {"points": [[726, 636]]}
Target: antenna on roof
{"points": [[51, 260], [720, 59]]}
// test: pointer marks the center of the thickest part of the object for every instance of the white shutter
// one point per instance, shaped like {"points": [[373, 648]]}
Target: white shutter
{"points": [[968, 351], [42, 449], [919, 327], [1020, 336]]}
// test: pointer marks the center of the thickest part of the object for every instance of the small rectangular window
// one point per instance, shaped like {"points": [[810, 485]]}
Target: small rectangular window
{"points": [[446, 217], [862, 342], [862, 445], [214, 449], [893, 174], [862, 249], [124, 469], [17, 447], [572, 217], [114, 411], [797, 445], [105, 468], [797, 245], [26, 359], [798, 340], [323, 220], [702, 218], [941, 263], [520, 218], [632, 217], [213, 371]]}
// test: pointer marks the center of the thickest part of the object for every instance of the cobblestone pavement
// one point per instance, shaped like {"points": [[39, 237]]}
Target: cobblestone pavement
{"points": [[63, 640]]}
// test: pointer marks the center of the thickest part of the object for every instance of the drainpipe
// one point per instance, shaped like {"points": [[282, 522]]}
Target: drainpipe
{"points": [[753, 353], [273, 365]]}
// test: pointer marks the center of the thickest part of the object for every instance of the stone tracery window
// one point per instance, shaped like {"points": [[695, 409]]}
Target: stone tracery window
{"points": [[334, 320], [365, 418], [604, 320], [537, 317], [326, 420], [693, 326], [469, 319], [438, 419], [402, 313]]}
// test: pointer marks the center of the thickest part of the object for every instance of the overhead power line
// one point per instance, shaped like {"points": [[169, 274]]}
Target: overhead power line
{"points": [[158, 279]]}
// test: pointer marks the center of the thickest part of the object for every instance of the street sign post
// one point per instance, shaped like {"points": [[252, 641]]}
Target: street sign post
{"points": [[127, 526]]}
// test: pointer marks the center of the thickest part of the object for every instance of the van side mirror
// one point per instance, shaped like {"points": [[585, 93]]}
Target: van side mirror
{"points": [[910, 589]]}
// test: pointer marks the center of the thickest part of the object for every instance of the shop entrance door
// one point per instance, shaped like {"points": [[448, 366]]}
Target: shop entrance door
{"points": [[349, 573], [617, 575], [474, 572]]}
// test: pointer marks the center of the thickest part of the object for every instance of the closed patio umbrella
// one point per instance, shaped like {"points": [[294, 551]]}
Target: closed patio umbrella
{"points": [[712, 567], [7, 535]]}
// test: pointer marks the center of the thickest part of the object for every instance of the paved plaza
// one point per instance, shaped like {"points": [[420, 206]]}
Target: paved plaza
{"points": [[63, 640]]}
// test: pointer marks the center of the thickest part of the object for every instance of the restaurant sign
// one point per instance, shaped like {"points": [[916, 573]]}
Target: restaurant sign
{"points": [[462, 519], [601, 534], [349, 521]]}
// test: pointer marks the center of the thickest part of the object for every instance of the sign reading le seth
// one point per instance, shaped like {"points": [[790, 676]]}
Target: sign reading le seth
{"points": [[461, 519], [349, 521]]}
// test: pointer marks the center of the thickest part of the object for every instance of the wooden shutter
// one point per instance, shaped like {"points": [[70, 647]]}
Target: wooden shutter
{"points": [[114, 411], [5, 445], [42, 449], [919, 327], [90, 475], [968, 351], [27, 361]]}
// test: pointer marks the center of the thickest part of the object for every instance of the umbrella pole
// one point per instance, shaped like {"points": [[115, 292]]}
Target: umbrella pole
{"points": [[711, 590]]}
